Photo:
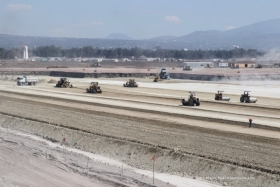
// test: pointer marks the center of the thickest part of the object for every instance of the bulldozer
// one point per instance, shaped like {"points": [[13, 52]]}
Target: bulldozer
{"points": [[193, 100], [245, 97], [219, 96], [64, 83], [94, 88], [130, 83]]}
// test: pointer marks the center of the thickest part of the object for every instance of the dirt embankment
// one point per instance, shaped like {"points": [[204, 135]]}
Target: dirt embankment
{"points": [[135, 142]]}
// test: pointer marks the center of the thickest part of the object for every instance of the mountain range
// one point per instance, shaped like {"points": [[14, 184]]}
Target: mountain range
{"points": [[262, 35]]}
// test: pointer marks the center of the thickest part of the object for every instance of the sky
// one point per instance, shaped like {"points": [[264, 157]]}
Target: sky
{"points": [[139, 19]]}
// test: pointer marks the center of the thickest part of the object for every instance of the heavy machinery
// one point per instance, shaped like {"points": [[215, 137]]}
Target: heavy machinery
{"points": [[192, 100], [219, 96], [258, 66], [95, 65], [247, 98], [163, 74], [188, 68], [94, 88], [27, 80], [130, 83], [156, 79], [64, 83], [209, 66]]}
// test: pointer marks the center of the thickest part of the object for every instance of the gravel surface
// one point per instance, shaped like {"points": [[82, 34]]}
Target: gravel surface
{"points": [[183, 145]]}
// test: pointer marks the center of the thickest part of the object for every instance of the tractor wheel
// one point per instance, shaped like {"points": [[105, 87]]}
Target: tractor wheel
{"points": [[123, 85], [191, 102], [198, 103], [242, 99], [100, 91]]}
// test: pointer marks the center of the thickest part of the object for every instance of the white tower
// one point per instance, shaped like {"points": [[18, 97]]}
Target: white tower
{"points": [[25, 52]]}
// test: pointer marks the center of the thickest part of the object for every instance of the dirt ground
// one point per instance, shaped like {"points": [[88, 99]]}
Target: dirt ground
{"points": [[27, 162], [211, 142]]}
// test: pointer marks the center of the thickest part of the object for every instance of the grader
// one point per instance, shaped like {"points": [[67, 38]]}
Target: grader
{"points": [[64, 83], [130, 83], [94, 88]]}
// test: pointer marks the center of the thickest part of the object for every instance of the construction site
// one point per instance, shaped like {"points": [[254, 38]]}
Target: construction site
{"points": [[205, 127]]}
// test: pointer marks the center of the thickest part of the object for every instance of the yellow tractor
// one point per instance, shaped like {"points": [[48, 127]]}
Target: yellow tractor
{"points": [[130, 83], [157, 78], [64, 83], [94, 88]]}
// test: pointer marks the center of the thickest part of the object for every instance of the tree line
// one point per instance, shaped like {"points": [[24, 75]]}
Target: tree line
{"points": [[89, 51]]}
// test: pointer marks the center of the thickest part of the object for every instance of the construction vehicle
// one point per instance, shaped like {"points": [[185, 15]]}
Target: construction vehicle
{"points": [[209, 66], [219, 96], [27, 80], [94, 88], [163, 74], [245, 97], [188, 68], [193, 100], [156, 79], [95, 65], [258, 66], [64, 83], [130, 83]]}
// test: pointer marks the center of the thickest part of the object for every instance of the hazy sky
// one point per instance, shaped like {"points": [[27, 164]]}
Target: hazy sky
{"points": [[138, 19]]}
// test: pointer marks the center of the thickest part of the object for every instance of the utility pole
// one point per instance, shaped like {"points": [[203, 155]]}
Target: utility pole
{"points": [[153, 159]]}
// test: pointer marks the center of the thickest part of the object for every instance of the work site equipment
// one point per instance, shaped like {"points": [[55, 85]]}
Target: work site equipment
{"points": [[247, 98], [163, 74], [192, 100], [27, 80], [219, 96], [64, 83], [94, 88], [258, 66], [188, 68], [130, 83], [209, 66], [95, 65], [156, 79]]}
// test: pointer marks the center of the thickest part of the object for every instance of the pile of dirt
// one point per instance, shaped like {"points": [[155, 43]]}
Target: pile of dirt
{"points": [[52, 81]]}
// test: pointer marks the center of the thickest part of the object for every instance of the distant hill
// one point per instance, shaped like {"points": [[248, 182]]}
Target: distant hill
{"points": [[161, 38], [118, 36], [263, 35]]}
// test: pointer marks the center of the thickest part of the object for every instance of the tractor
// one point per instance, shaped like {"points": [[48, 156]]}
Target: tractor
{"points": [[192, 100], [94, 88], [219, 96], [156, 79], [64, 83], [130, 83], [245, 97]]}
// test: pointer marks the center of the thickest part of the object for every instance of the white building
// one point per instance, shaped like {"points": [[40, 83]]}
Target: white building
{"points": [[25, 52]]}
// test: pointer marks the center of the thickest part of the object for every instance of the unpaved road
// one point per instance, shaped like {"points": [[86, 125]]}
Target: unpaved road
{"points": [[215, 131], [28, 162]]}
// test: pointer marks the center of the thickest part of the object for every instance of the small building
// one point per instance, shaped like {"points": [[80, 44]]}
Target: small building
{"points": [[247, 64], [110, 60]]}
